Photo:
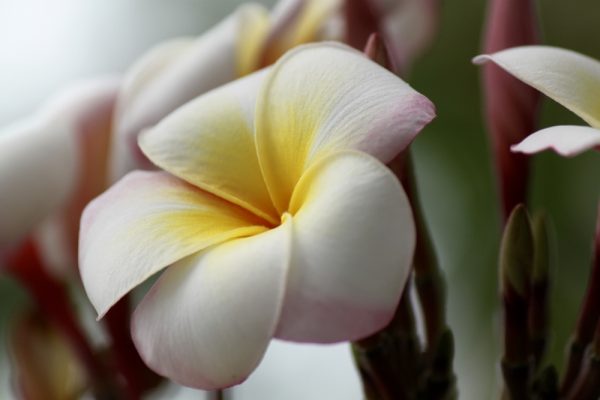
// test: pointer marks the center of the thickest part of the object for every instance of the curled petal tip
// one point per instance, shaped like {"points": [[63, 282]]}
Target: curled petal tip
{"points": [[568, 141], [481, 59]]}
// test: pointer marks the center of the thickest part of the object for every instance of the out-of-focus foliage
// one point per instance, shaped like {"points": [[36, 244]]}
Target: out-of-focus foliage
{"points": [[459, 194]]}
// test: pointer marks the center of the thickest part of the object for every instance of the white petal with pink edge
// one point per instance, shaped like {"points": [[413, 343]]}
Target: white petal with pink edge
{"points": [[209, 319], [570, 78], [352, 248], [145, 222], [327, 97], [40, 157], [566, 140]]}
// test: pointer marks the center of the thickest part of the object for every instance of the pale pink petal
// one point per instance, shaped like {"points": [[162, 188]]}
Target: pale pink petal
{"points": [[208, 320], [409, 27], [326, 97], [145, 222], [55, 158], [352, 249], [171, 75], [566, 140]]}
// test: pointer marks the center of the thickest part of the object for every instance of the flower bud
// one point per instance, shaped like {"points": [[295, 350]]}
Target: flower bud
{"points": [[516, 253], [511, 107]]}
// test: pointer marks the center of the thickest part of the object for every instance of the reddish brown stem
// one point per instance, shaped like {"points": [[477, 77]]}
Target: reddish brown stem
{"points": [[361, 22], [138, 377]]}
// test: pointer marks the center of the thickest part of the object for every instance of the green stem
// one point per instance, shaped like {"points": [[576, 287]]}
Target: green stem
{"points": [[390, 359], [587, 321], [429, 281]]}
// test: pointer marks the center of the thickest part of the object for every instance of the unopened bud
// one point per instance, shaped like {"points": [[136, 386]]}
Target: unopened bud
{"points": [[517, 252], [511, 107], [541, 258], [377, 51]]}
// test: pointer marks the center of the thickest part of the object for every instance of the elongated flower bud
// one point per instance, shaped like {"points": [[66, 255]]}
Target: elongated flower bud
{"points": [[511, 107], [540, 286], [516, 260]]}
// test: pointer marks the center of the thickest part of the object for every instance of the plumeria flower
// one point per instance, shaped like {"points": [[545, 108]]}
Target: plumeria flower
{"points": [[571, 79], [274, 217], [53, 163]]}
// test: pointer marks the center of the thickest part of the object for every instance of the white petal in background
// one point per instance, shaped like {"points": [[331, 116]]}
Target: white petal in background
{"points": [[566, 140], [572, 79]]}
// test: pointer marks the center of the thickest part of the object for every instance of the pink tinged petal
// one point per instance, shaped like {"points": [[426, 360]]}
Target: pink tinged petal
{"points": [[566, 140], [194, 144], [208, 320], [93, 131], [170, 76], [409, 27], [42, 158], [295, 22], [125, 153], [352, 249], [327, 97], [565, 76], [145, 222]]}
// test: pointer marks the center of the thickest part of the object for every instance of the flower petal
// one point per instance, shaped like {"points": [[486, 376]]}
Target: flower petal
{"points": [[145, 222], [172, 75], [565, 76], [409, 27], [326, 97], [208, 320], [352, 249], [209, 143], [131, 115], [295, 22], [42, 158], [565, 140]]}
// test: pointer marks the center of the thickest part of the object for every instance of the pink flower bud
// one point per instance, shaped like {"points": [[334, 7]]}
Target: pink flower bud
{"points": [[511, 107]]}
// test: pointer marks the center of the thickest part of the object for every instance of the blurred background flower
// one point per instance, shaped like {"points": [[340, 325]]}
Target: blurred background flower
{"points": [[47, 45]]}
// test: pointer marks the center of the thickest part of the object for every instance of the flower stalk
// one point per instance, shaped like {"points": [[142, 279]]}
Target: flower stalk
{"points": [[361, 22], [586, 328], [137, 376], [516, 260], [392, 362], [390, 359], [540, 287]]}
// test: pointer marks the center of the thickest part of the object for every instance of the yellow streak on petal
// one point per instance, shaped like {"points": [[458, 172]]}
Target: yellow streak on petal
{"points": [[200, 217], [210, 143], [283, 156], [148, 221], [254, 25], [306, 27]]}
